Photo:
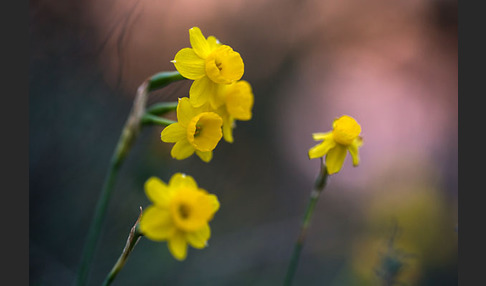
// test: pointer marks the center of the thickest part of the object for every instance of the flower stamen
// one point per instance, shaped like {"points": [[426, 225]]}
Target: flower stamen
{"points": [[198, 130], [219, 65], [184, 211]]}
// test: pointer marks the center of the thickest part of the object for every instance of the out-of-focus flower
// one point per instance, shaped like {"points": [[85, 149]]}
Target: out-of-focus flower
{"points": [[343, 137], [424, 218], [209, 64], [196, 130], [238, 101], [179, 215], [373, 262], [424, 234]]}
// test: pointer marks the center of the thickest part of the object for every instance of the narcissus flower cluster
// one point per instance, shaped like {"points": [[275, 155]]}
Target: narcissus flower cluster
{"points": [[344, 137], [180, 213], [217, 97]]}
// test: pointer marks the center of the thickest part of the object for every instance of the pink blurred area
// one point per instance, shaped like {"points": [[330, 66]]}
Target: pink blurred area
{"points": [[391, 70], [389, 65]]}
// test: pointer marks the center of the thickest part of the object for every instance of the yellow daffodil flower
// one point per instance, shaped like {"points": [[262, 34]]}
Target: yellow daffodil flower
{"points": [[209, 64], [179, 215], [238, 102], [196, 130], [344, 137]]}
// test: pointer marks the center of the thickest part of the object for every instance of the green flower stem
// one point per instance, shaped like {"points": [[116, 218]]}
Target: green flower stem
{"points": [[132, 240], [127, 138], [318, 187], [163, 79], [162, 108], [148, 118]]}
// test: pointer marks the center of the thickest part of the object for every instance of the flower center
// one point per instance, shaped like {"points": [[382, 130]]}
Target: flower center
{"points": [[219, 65], [190, 209], [184, 211], [204, 131], [224, 65], [198, 130], [345, 130]]}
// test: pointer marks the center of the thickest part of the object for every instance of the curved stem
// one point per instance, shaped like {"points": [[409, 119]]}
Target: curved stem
{"points": [[127, 138], [316, 191], [132, 240]]}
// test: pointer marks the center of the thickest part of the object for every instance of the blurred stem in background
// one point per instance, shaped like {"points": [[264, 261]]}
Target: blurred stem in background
{"points": [[136, 118], [132, 240], [314, 196], [392, 261]]}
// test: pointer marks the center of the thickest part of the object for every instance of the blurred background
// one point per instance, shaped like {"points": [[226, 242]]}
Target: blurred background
{"points": [[392, 65]]}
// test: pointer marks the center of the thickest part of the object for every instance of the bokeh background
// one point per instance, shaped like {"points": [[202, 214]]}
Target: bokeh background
{"points": [[392, 65]]}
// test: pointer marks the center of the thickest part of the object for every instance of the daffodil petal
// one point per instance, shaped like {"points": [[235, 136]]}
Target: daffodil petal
{"points": [[179, 180], [214, 202], [157, 191], [213, 43], [201, 90], [321, 136], [173, 133], [178, 246], [199, 43], [353, 150], [199, 238], [239, 100], [205, 156], [185, 111], [215, 100], [182, 149], [228, 125], [321, 149], [335, 158], [156, 223], [189, 64]]}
